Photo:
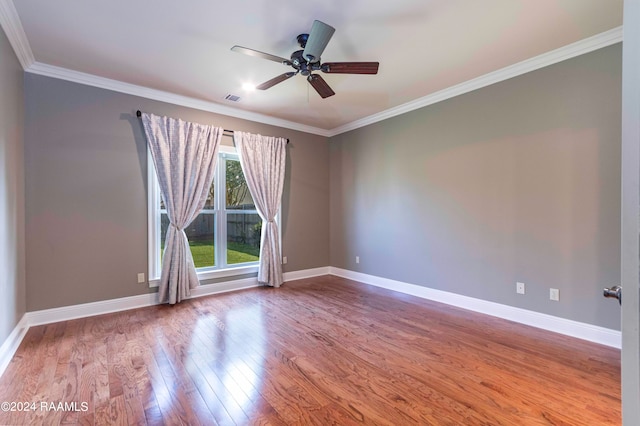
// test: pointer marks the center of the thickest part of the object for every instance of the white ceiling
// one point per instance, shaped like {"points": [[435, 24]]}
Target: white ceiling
{"points": [[423, 46]]}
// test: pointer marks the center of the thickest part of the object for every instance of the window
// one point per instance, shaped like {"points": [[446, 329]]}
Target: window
{"points": [[225, 237]]}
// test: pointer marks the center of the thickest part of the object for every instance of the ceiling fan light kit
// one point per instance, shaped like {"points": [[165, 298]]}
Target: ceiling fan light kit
{"points": [[318, 39], [307, 61]]}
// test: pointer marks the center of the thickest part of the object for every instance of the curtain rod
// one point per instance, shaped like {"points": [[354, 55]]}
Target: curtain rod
{"points": [[139, 114]]}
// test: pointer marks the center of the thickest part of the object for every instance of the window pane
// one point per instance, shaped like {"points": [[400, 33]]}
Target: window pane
{"points": [[209, 204], [237, 196], [200, 233], [201, 237], [243, 238], [164, 224]]}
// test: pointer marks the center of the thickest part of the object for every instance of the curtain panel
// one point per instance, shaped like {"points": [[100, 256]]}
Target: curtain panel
{"points": [[263, 163], [184, 155]]}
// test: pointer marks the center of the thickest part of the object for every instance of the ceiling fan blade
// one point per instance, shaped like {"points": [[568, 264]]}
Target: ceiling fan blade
{"points": [[275, 80], [320, 85], [319, 37], [258, 54], [350, 67]]}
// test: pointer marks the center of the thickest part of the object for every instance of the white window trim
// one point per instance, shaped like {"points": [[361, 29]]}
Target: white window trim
{"points": [[153, 230]]}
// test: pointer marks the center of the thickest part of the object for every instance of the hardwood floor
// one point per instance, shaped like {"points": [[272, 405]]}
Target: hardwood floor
{"points": [[319, 351]]}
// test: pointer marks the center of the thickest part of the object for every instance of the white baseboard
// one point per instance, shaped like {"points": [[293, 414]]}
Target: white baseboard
{"points": [[592, 333], [65, 313], [224, 287], [47, 316], [306, 273], [10, 345]]}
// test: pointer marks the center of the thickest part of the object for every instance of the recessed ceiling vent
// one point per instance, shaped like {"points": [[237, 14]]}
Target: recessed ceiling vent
{"points": [[232, 98]]}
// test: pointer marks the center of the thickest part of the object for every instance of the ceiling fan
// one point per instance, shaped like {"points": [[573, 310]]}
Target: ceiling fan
{"points": [[307, 61]]}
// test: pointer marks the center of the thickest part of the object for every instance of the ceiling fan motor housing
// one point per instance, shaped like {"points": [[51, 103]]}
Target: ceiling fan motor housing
{"points": [[299, 63], [297, 59]]}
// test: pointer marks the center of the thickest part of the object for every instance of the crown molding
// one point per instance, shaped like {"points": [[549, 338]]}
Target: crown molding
{"points": [[569, 51], [159, 95], [10, 23]]}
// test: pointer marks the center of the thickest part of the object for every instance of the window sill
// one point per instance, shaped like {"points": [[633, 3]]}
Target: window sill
{"points": [[218, 273]]}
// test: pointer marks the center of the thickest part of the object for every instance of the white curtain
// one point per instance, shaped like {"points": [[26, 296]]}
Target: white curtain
{"points": [[263, 163], [185, 157]]}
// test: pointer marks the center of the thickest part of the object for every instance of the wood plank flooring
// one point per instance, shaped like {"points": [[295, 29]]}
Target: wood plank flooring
{"points": [[321, 351]]}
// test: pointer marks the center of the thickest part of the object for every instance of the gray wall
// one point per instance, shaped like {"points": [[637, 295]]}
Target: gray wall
{"points": [[12, 278], [86, 200], [518, 181]]}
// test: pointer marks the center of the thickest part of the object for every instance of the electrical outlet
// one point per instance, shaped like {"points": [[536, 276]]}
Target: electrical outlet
{"points": [[284, 260], [357, 259], [140, 277], [520, 288], [554, 294]]}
